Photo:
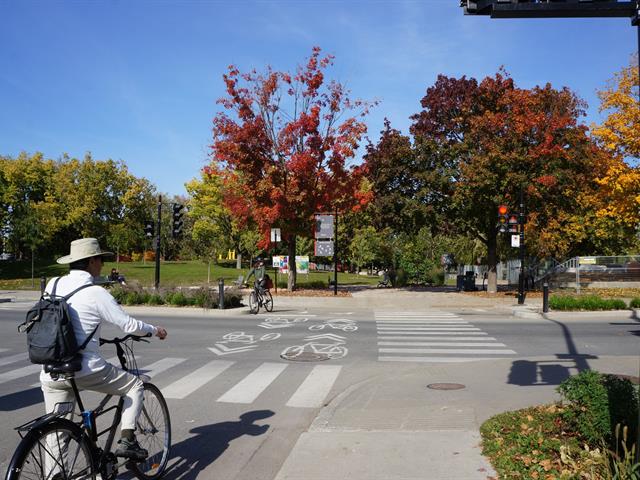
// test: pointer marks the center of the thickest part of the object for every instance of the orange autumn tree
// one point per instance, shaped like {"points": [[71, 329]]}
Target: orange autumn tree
{"points": [[282, 147], [618, 202], [482, 141]]}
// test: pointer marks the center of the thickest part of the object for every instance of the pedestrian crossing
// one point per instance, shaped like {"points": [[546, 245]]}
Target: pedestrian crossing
{"points": [[309, 389], [433, 337]]}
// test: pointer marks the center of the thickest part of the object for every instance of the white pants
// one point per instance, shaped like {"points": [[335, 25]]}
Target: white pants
{"points": [[110, 380]]}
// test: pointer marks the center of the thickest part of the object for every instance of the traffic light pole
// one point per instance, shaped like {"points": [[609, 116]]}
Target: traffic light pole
{"points": [[521, 228], [335, 254], [157, 282]]}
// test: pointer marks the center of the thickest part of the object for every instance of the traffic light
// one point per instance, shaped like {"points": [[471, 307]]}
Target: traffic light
{"points": [[503, 218], [148, 228], [176, 230], [513, 223]]}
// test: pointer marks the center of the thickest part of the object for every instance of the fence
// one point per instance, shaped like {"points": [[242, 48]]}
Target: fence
{"points": [[596, 272]]}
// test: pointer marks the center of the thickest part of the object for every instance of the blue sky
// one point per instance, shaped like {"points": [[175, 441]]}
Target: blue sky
{"points": [[138, 80]]}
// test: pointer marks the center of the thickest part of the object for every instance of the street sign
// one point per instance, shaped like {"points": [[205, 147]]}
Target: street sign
{"points": [[323, 248], [515, 240], [275, 235], [324, 226]]}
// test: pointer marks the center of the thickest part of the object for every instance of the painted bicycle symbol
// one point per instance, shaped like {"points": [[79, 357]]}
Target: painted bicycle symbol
{"points": [[331, 350], [336, 324], [241, 337], [281, 322]]}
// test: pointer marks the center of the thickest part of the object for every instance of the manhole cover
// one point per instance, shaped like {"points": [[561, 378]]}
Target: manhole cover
{"points": [[306, 357], [445, 386]]}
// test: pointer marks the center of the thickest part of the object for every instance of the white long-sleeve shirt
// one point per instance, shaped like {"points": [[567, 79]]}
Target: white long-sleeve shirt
{"points": [[88, 308]]}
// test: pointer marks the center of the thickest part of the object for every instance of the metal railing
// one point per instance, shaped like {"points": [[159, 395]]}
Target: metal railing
{"points": [[611, 270]]}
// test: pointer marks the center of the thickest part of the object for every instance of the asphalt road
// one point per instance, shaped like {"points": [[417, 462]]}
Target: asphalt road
{"points": [[241, 389]]}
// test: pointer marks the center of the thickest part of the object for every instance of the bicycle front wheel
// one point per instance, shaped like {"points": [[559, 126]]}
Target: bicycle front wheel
{"points": [[153, 432], [268, 301], [253, 303], [57, 450]]}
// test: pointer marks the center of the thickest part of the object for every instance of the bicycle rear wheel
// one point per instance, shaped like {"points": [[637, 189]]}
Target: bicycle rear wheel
{"points": [[56, 450], [253, 303], [153, 432], [268, 301]]}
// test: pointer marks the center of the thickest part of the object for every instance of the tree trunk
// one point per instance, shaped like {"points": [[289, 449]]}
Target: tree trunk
{"points": [[239, 261], [291, 281], [492, 277]]}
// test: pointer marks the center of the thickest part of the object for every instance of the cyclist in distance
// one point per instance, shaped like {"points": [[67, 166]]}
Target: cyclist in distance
{"points": [[88, 309], [257, 272]]}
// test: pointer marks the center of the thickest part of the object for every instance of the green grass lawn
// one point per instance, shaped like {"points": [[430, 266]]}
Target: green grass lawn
{"points": [[17, 275]]}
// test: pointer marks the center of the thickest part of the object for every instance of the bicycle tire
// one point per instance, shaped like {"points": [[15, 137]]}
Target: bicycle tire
{"points": [[268, 301], [153, 432], [253, 303], [40, 454]]}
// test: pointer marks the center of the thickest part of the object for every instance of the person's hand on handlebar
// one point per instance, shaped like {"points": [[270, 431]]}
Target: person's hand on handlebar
{"points": [[161, 333]]}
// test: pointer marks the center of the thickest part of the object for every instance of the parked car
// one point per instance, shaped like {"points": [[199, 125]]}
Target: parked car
{"points": [[7, 257]]}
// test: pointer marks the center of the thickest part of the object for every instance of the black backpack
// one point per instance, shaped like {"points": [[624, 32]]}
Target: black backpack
{"points": [[50, 336]]}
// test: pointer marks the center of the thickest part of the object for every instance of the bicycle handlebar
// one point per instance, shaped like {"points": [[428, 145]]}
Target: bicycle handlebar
{"points": [[135, 338]]}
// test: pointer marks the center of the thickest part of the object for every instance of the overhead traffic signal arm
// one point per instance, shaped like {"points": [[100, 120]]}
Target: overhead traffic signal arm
{"points": [[544, 9]]}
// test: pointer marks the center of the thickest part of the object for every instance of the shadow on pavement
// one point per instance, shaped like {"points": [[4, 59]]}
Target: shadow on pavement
{"points": [[22, 399], [550, 372], [191, 456]]}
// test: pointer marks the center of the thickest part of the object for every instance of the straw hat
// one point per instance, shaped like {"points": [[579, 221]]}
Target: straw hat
{"points": [[83, 248]]}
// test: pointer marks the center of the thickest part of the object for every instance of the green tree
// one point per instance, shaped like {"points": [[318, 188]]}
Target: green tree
{"points": [[365, 246]]}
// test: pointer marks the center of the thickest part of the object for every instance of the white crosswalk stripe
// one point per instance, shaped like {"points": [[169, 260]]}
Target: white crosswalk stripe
{"points": [[436, 337], [250, 387], [313, 386], [189, 384]]}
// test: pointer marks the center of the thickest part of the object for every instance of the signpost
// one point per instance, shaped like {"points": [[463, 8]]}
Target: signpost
{"points": [[275, 238], [326, 241]]}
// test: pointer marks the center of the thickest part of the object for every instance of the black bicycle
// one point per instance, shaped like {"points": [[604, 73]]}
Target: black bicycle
{"points": [[260, 297], [53, 447]]}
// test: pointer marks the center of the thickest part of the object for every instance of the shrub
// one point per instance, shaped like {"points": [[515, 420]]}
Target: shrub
{"points": [[179, 299], [635, 302], [155, 299], [134, 297], [597, 402], [205, 298], [136, 257], [586, 302], [401, 278]]}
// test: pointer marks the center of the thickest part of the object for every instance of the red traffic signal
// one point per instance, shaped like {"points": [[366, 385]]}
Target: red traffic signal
{"points": [[502, 210]]}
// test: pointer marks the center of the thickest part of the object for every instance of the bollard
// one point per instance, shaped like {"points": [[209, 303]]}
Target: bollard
{"points": [[545, 297], [221, 294], [43, 284]]}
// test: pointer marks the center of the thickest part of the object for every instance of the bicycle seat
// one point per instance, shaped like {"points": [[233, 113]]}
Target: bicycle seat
{"points": [[73, 365]]}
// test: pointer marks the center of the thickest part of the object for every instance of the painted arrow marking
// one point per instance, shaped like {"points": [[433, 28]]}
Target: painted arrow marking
{"points": [[220, 349], [327, 336]]}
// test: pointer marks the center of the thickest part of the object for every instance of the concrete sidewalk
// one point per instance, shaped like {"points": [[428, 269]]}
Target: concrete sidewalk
{"points": [[394, 426]]}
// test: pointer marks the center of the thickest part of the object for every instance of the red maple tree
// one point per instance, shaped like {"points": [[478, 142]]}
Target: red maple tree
{"points": [[282, 148]]}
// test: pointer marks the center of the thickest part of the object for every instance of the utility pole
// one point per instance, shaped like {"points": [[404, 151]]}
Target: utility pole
{"points": [[157, 282]]}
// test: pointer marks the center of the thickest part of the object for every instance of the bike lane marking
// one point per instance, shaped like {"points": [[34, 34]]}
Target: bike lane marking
{"points": [[190, 383], [315, 388], [249, 388]]}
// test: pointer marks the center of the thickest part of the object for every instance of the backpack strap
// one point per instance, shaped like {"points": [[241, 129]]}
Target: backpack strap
{"points": [[55, 284], [88, 339], [67, 297]]}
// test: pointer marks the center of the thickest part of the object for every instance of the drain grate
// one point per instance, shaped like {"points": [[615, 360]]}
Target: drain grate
{"points": [[445, 386], [306, 357]]}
